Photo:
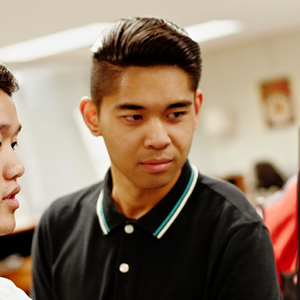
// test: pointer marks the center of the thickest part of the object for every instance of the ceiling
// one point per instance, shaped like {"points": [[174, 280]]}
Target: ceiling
{"points": [[22, 20]]}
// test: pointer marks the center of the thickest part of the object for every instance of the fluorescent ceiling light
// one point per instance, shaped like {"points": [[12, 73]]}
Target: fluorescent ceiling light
{"points": [[52, 44], [85, 36], [213, 29]]}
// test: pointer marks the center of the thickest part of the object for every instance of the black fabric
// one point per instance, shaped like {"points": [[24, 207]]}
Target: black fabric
{"points": [[217, 248], [16, 243]]}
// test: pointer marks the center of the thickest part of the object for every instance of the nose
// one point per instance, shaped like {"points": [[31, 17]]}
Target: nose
{"points": [[157, 136], [14, 168]]}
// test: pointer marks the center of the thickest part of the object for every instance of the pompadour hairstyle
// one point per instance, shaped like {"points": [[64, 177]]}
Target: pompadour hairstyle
{"points": [[8, 82], [141, 42]]}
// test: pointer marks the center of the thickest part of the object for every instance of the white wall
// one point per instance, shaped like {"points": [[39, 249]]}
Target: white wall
{"points": [[52, 147], [229, 81]]}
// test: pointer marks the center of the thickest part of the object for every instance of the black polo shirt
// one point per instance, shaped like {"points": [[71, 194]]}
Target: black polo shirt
{"points": [[204, 241]]}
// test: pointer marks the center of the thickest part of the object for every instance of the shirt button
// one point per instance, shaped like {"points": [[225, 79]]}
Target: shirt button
{"points": [[129, 228], [124, 268]]}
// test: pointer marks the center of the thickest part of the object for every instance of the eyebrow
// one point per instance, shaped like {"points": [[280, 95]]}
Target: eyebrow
{"points": [[184, 103], [130, 106], [6, 127]]}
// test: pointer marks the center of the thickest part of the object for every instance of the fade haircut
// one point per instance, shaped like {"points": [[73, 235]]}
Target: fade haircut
{"points": [[8, 82], [141, 42]]}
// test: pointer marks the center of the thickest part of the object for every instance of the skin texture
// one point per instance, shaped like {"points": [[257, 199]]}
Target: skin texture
{"points": [[11, 167], [148, 126]]}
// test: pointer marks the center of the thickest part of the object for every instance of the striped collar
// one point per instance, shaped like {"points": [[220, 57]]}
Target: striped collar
{"points": [[159, 219]]}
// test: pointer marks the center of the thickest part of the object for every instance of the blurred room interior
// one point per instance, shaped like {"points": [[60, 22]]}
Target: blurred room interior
{"points": [[250, 83]]}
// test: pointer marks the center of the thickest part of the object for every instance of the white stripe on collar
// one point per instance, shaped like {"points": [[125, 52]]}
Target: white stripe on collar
{"points": [[161, 230], [100, 213]]}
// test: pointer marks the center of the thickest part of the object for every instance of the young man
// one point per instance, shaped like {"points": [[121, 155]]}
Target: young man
{"points": [[11, 169], [154, 228]]}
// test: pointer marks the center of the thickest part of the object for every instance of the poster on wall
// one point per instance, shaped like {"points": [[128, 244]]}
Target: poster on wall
{"points": [[276, 97]]}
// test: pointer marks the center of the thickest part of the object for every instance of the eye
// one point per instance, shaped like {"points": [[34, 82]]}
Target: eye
{"points": [[14, 145], [176, 115], [133, 118]]}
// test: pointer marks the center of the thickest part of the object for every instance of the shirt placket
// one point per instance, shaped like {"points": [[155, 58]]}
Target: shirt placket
{"points": [[127, 261]]}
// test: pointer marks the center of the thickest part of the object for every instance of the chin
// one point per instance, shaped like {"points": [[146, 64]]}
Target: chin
{"points": [[154, 183], [7, 227]]}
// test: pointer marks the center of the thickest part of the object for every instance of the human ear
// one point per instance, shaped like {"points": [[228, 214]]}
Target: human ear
{"points": [[89, 112], [197, 106]]}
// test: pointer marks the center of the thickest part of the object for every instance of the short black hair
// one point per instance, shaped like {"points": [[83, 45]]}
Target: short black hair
{"points": [[8, 82], [141, 42]]}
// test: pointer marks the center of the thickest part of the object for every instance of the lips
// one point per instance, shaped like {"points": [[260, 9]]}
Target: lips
{"points": [[157, 165], [11, 200]]}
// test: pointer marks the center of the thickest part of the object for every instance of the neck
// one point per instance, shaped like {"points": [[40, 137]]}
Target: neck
{"points": [[133, 201], [134, 206]]}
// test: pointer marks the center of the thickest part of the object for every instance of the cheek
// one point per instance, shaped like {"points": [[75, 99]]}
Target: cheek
{"points": [[120, 146], [182, 136], [2, 180], [118, 134]]}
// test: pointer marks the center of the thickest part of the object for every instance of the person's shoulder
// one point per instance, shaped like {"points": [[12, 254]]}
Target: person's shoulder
{"points": [[83, 195], [221, 187], [9, 291], [74, 202], [229, 197]]}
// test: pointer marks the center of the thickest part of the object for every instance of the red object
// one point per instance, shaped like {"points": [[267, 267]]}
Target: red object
{"points": [[281, 218]]}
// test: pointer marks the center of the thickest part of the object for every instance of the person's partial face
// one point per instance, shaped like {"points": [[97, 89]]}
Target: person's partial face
{"points": [[148, 125], [11, 167]]}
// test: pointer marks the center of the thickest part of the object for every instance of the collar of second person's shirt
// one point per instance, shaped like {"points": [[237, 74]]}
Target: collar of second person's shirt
{"points": [[158, 220]]}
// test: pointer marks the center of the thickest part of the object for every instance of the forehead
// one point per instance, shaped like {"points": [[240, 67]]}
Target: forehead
{"points": [[159, 83], [156, 76]]}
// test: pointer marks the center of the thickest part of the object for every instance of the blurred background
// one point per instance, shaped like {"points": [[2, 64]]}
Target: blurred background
{"points": [[250, 83], [249, 124]]}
